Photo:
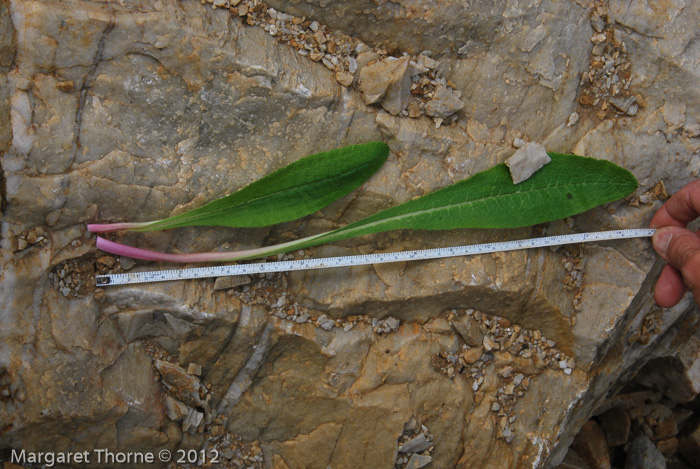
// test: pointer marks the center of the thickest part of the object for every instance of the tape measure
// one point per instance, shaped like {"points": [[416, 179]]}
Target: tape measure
{"points": [[365, 259]]}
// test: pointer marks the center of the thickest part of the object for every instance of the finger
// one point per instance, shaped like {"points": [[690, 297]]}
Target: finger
{"points": [[678, 246], [669, 288], [681, 249], [680, 209]]}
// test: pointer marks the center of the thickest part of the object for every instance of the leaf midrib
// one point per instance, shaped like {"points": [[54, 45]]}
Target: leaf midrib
{"points": [[350, 229]]}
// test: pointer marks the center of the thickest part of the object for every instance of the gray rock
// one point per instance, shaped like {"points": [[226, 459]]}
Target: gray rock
{"points": [[628, 105], [418, 460], [127, 263], [326, 323], [444, 103], [192, 421], [417, 444], [302, 318], [226, 283], [526, 161], [176, 409], [392, 323], [194, 369], [642, 453], [411, 426], [387, 82], [468, 329]]}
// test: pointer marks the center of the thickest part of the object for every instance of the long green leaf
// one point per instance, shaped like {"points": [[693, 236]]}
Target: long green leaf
{"points": [[568, 185], [294, 191]]}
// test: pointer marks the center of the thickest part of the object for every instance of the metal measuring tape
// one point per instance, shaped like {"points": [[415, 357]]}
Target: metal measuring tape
{"points": [[365, 259]]}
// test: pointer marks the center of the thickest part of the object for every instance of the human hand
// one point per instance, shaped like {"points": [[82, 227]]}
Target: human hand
{"points": [[679, 246]]}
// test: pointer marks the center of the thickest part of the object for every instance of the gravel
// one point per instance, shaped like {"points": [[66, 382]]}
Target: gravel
{"points": [[415, 91]]}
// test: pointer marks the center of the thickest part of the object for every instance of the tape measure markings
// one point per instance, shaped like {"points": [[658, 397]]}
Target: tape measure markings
{"points": [[365, 259]]}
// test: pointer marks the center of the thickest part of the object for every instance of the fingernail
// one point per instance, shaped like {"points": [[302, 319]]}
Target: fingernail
{"points": [[661, 240]]}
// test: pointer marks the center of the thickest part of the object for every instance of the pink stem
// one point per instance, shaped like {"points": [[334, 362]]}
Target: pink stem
{"points": [[137, 253], [109, 227]]}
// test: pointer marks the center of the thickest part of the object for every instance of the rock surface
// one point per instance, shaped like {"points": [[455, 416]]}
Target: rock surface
{"points": [[139, 110]]}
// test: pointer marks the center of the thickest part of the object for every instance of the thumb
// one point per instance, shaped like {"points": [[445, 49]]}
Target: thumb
{"points": [[676, 245], [681, 248]]}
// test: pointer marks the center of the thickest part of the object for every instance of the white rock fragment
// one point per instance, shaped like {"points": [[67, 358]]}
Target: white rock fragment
{"points": [[192, 421], [352, 64], [176, 409], [597, 22], [444, 103], [417, 69], [387, 82], [598, 38], [427, 62], [526, 161], [319, 37], [573, 119]]}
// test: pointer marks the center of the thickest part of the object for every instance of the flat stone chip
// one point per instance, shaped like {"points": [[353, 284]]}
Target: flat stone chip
{"points": [[526, 161]]}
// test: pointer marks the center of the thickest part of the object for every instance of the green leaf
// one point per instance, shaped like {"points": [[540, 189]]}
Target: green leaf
{"points": [[568, 185], [294, 191]]}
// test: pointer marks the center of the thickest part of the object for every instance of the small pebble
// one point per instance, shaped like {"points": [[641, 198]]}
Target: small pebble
{"points": [[417, 444], [598, 38]]}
